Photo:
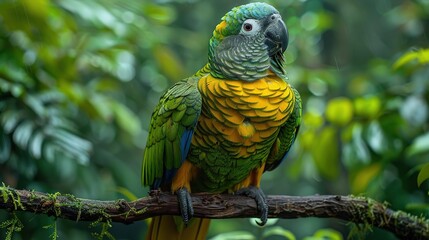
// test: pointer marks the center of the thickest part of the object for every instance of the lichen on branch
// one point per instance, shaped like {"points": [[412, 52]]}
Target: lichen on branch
{"points": [[359, 210]]}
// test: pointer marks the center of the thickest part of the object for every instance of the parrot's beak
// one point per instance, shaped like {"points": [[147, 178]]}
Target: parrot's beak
{"points": [[276, 35]]}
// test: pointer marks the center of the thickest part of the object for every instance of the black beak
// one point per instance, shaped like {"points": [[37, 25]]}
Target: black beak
{"points": [[277, 37]]}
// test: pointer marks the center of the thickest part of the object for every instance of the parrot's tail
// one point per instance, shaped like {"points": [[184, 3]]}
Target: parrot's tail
{"points": [[166, 228]]}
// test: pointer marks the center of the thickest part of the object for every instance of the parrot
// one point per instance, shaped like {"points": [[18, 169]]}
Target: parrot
{"points": [[219, 130]]}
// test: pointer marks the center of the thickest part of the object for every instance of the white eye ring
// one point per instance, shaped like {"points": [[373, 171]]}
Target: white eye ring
{"points": [[250, 27]]}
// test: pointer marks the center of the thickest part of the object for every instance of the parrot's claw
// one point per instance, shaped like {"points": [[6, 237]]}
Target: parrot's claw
{"points": [[261, 202], [185, 204]]}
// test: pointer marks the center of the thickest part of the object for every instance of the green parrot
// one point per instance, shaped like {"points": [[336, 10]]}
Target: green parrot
{"points": [[222, 128]]}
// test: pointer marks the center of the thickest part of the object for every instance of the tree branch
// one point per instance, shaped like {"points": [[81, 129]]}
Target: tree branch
{"points": [[353, 209]]}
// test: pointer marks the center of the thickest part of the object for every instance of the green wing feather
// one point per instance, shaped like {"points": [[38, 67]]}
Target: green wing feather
{"points": [[171, 129], [203, 71], [286, 136]]}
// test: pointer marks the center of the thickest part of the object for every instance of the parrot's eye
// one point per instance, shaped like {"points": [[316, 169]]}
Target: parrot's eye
{"points": [[247, 27], [250, 27]]}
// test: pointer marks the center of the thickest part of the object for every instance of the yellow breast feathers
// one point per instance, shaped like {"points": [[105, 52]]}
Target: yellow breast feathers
{"points": [[242, 113]]}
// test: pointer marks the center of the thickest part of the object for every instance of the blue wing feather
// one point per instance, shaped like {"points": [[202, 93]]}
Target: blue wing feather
{"points": [[185, 142], [185, 145]]}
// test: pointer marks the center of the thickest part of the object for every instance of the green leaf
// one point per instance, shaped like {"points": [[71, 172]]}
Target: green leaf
{"points": [[325, 153], [325, 234], [10, 120], [237, 235], [126, 119], [35, 145], [422, 56], [22, 133], [339, 111], [423, 174], [367, 106], [279, 231], [376, 138], [419, 145], [160, 14], [363, 177], [71, 144], [168, 62], [359, 147], [74, 141], [15, 89], [92, 12], [103, 43], [35, 104], [127, 193], [98, 102], [415, 110], [16, 73]]}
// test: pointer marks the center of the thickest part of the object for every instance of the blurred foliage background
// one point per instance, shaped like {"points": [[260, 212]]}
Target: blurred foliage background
{"points": [[79, 80]]}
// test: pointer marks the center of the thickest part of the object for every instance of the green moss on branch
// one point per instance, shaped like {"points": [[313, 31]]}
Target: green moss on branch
{"points": [[359, 210]]}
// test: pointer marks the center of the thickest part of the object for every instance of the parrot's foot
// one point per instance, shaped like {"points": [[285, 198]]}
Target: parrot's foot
{"points": [[261, 202], [185, 204]]}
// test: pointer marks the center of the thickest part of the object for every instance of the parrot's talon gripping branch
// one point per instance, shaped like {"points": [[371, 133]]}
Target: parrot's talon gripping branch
{"points": [[261, 201], [185, 204]]}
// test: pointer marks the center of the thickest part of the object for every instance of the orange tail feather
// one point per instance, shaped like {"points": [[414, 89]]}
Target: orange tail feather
{"points": [[165, 228]]}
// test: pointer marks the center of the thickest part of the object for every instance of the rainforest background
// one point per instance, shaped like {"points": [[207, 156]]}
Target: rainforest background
{"points": [[79, 80]]}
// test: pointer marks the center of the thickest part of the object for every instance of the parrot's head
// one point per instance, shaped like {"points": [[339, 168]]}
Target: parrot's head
{"points": [[248, 42]]}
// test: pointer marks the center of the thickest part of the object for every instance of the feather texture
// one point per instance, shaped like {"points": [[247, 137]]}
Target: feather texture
{"points": [[237, 117], [171, 130], [236, 140]]}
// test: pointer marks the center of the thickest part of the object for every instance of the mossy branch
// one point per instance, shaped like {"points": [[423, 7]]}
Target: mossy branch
{"points": [[358, 210]]}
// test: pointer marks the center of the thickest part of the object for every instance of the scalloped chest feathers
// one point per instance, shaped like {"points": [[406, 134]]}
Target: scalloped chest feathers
{"points": [[240, 116]]}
